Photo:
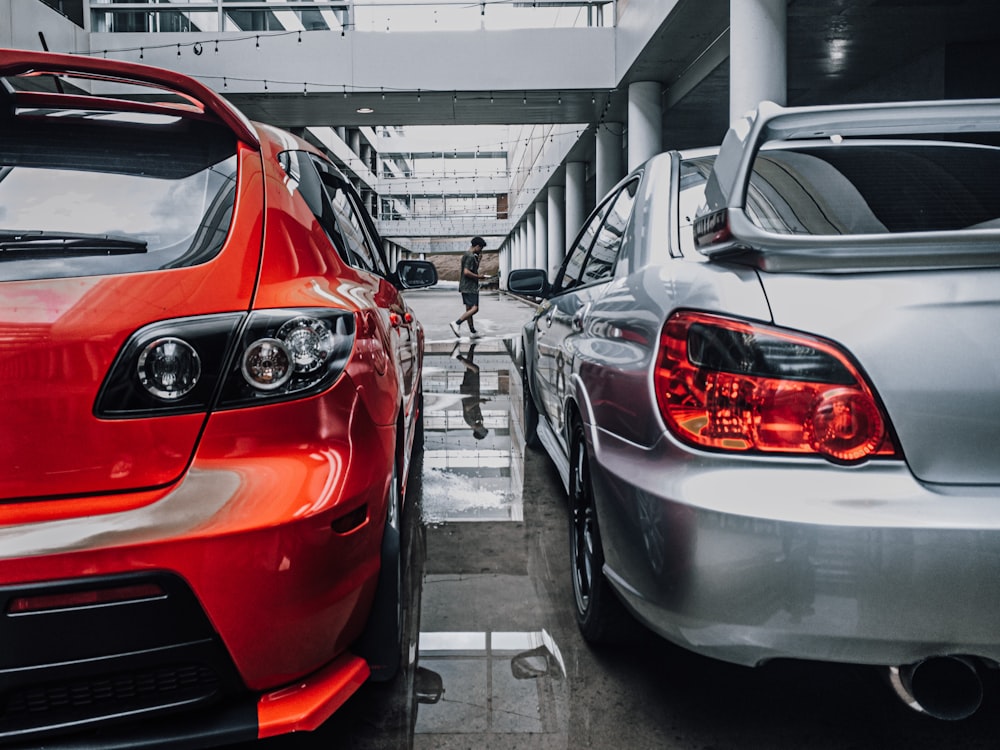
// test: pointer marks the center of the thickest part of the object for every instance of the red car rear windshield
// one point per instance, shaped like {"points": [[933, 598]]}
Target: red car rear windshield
{"points": [[83, 197]]}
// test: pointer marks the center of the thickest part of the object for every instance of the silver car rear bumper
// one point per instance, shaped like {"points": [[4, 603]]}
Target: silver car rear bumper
{"points": [[750, 559]]}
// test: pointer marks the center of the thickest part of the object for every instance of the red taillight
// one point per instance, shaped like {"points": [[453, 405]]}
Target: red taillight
{"points": [[86, 598], [731, 385]]}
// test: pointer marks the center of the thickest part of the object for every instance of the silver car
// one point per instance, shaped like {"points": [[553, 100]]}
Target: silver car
{"points": [[769, 377]]}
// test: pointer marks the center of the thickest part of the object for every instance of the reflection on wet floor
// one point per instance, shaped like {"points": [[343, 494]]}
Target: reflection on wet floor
{"points": [[487, 664], [497, 682], [473, 469]]}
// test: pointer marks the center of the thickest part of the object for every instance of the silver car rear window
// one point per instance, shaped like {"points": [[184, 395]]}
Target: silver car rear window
{"points": [[875, 187]]}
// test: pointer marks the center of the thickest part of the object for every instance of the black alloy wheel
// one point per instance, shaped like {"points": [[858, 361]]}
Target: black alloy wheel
{"points": [[599, 614]]}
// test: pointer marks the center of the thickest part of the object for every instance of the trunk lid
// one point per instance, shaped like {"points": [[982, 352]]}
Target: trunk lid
{"points": [[58, 341], [930, 344]]}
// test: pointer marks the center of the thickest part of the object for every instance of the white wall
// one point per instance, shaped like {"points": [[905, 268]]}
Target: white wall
{"points": [[369, 61], [21, 22]]}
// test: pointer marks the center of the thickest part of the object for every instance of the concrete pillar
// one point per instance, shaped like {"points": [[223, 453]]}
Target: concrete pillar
{"points": [[576, 181], [757, 54], [529, 239], [526, 254], [645, 122], [504, 266], [609, 157], [541, 232], [515, 251], [556, 242]]}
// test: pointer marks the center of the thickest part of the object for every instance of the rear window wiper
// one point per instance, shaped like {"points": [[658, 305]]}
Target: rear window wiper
{"points": [[36, 245]]}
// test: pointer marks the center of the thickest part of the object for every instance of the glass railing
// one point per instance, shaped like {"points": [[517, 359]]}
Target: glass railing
{"points": [[210, 16]]}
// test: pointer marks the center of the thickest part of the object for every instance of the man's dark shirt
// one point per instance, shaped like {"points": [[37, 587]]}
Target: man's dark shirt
{"points": [[465, 283]]}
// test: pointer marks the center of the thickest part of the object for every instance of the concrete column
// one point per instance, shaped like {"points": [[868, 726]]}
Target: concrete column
{"points": [[757, 54], [525, 251], [576, 181], [556, 241], [504, 265], [515, 251], [529, 239], [541, 232], [609, 157], [645, 122]]}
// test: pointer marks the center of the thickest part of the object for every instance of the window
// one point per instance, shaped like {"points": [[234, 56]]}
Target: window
{"points": [[573, 267], [691, 199], [337, 208], [595, 253], [162, 198], [864, 188], [604, 254], [360, 250]]}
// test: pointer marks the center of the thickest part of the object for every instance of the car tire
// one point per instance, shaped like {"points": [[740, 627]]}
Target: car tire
{"points": [[600, 615], [381, 644], [530, 418]]}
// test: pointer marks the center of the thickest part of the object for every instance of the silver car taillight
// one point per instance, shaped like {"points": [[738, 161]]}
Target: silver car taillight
{"points": [[732, 385]]}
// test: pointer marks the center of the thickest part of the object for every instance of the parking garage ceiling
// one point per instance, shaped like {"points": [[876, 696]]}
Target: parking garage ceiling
{"points": [[838, 50]]}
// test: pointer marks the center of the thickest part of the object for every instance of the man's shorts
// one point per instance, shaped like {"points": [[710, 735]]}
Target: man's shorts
{"points": [[470, 299]]}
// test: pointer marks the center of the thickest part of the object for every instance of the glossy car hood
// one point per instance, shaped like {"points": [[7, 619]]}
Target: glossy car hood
{"points": [[58, 340], [930, 345]]}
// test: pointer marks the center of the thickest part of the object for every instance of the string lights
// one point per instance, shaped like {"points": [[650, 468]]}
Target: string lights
{"points": [[197, 48], [414, 184]]}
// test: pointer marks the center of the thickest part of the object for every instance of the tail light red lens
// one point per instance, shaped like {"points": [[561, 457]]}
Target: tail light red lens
{"points": [[731, 385], [84, 598]]}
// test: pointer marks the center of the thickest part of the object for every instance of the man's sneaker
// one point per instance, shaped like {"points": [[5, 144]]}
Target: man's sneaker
{"points": [[454, 328], [474, 333]]}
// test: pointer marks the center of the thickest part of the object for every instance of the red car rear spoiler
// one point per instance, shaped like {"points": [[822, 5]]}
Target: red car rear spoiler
{"points": [[202, 101]]}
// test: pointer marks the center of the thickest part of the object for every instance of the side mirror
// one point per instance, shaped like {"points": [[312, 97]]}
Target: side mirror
{"points": [[531, 282], [415, 274]]}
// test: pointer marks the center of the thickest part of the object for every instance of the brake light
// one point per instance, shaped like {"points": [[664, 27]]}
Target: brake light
{"points": [[228, 360], [87, 598], [730, 385]]}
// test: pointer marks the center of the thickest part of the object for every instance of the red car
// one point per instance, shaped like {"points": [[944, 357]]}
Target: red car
{"points": [[210, 393]]}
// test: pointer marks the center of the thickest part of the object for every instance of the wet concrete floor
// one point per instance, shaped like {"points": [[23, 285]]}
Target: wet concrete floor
{"points": [[495, 658]]}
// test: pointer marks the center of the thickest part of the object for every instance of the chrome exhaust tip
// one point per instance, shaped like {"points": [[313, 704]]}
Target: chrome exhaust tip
{"points": [[943, 687]]}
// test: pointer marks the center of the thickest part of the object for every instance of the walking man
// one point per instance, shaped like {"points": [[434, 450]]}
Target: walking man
{"points": [[468, 286]]}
